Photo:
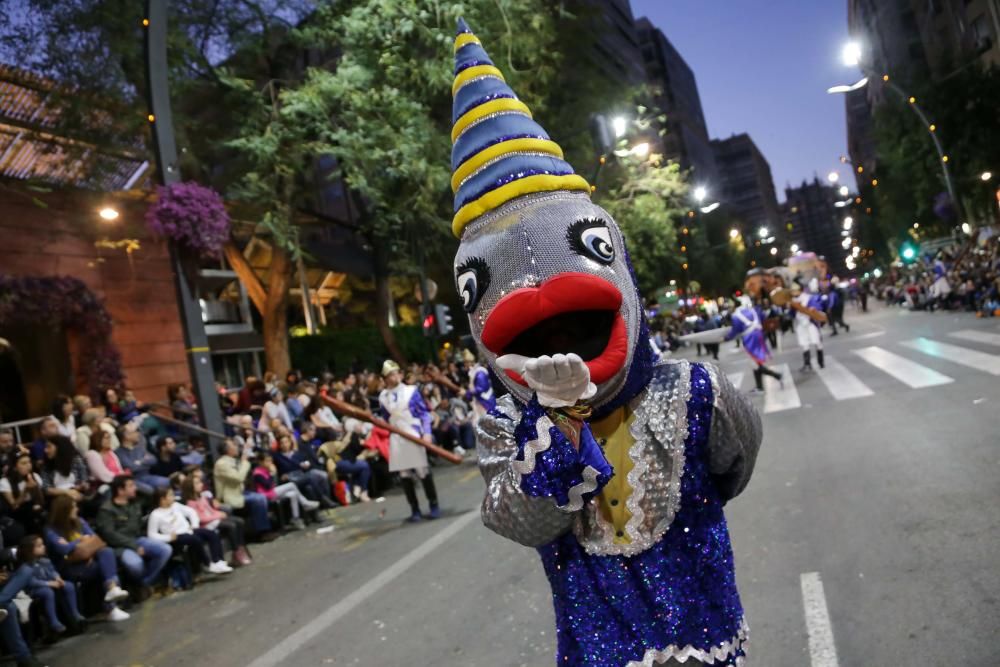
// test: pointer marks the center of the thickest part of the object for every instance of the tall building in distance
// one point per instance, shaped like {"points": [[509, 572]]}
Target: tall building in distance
{"points": [[676, 95], [615, 41], [746, 184], [816, 225]]}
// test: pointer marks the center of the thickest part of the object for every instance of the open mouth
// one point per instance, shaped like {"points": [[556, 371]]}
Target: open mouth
{"points": [[570, 312]]}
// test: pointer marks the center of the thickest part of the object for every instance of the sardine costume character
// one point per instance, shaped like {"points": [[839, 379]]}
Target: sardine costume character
{"points": [[747, 324], [807, 329], [402, 406], [613, 465]]}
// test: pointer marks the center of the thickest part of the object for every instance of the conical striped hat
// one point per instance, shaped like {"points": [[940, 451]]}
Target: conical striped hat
{"points": [[498, 152]]}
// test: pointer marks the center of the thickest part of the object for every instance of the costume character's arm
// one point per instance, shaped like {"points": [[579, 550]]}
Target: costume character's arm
{"points": [[733, 440], [536, 480]]}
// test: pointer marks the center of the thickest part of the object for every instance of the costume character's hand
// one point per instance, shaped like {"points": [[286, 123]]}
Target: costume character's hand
{"points": [[560, 380]]}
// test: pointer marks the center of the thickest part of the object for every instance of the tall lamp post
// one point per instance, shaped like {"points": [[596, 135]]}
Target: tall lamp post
{"points": [[165, 147], [853, 56]]}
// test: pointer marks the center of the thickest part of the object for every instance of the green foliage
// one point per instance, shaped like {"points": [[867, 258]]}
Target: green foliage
{"points": [[339, 350]]}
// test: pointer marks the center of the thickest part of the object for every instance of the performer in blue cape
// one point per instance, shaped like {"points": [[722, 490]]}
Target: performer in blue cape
{"points": [[614, 465], [747, 324]]}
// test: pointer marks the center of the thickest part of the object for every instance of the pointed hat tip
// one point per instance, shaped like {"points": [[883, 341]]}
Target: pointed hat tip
{"points": [[462, 27]]}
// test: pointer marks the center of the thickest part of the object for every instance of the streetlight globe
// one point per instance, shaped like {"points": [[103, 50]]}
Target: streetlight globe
{"points": [[986, 175], [700, 193], [774, 251], [763, 232], [794, 248], [967, 228], [641, 150], [619, 125], [851, 55], [844, 190], [833, 177], [733, 233], [108, 213]]}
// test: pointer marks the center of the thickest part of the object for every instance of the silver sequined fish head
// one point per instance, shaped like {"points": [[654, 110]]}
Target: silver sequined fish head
{"points": [[547, 274]]}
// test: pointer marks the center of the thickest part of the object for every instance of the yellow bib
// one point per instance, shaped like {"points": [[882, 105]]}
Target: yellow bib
{"points": [[615, 438]]}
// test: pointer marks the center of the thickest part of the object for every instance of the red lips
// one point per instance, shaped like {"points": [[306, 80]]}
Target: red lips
{"points": [[563, 293]]}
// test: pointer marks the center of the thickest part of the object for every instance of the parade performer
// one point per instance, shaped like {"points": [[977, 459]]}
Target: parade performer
{"points": [[807, 328], [403, 406], [613, 465], [747, 325], [480, 391]]}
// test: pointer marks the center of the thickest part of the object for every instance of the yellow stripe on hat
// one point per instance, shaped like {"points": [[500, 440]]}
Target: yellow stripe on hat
{"points": [[503, 194], [465, 38], [474, 72], [525, 145], [483, 110]]}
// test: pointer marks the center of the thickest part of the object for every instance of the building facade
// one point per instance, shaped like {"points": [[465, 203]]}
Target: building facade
{"points": [[817, 225], [747, 186]]}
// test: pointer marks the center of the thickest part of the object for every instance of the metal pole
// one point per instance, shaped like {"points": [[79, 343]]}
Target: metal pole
{"points": [[165, 147]]}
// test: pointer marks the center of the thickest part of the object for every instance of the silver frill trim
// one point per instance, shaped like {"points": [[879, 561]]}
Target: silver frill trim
{"points": [[713, 377], [576, 493], [723, 651], [532, 448], [670, 429]]}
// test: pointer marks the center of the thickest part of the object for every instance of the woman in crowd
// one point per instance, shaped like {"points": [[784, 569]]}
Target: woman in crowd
{"points": [[101, 460], [21, 488], [210, 516], [182, 403], [294, 467], [178, 525], [63, 470], [264, 484], [79, 555], [328, 427], [121, 409], [46, 584], [275, 408], [62, 410]]}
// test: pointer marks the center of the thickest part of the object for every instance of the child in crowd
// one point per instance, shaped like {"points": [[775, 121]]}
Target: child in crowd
{"points": [[212, 517], [46, 583], [264, 484], [179, 526]]}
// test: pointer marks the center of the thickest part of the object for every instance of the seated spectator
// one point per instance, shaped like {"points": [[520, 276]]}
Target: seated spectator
{"points": [[294, 466], [294, 405], [63, 470], [62, 410], [122, 409], [81, 403], [168, 461], [263, 480], [328, 427], [212, 517], [85, 433], [10, 628], [182, 403], [230, 474], [102, 462], [21, 489], [8, 449], [177, 525], [137, 460], [81, 556], [47, 428], [245, 436], [346, 459], [275, 408], [119, 523], [46, 583]]}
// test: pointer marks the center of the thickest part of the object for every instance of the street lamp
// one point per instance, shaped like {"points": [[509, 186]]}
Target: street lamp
{"points": [[700, 192], [108, 213], [833, 177], [763, 232], [844, 190], [986, 175], [794, 248], [619, 125], [848, 223], [641, 150], [734, 234], [774, 251], [851, 54]]}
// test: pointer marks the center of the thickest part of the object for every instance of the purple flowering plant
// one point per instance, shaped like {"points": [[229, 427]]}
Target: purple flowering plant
{"points": [[192, 215]]}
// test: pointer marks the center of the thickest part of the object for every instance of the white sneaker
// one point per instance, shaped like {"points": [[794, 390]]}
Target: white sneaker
{"points": [[309, 504], [219, 567], [116, 615], [460, 450], [114, 594]]}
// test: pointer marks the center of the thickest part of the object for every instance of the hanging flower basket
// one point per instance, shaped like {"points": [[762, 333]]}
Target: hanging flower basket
{"points": [[191, 215]]}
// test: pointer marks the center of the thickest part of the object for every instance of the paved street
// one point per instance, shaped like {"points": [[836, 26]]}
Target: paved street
{"points": [[873, 512]]}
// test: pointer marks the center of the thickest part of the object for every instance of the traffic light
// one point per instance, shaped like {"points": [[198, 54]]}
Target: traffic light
{"points": [[428, 319], [442, 314], [908, 253]]}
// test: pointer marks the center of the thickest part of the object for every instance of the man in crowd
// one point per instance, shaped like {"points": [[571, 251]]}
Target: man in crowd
{"points": [[136, 458], [120, 524]]}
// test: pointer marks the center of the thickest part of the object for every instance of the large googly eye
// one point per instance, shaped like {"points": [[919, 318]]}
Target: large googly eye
{"points": [[592, 239], [472, 279]]}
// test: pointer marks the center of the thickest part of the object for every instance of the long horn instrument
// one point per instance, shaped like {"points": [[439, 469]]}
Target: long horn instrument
{"points": [[346, 409]]}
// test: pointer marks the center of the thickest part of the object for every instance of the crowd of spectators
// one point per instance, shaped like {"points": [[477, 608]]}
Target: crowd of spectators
{"points": [[114, 501]]}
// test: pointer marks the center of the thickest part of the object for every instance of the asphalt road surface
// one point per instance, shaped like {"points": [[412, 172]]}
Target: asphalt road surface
{"points": [[869, 536]]}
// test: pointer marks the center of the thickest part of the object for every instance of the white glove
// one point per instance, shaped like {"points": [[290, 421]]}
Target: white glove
{"points": [[560, 380]]}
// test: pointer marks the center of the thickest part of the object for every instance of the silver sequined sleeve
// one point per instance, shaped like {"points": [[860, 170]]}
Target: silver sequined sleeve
{"points": [[735, 437], [506, 509]]}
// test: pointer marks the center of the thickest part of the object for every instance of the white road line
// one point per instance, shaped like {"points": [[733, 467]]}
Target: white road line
{"points": [[281, 651], [822, 651], [874, 334], [777, 399], [736, 379], [956, 354], [908, 372], [840, 382], [977, 336]]}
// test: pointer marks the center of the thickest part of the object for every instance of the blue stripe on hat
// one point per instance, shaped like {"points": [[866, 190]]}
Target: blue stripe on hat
{"points": [[493, 131], [462, 27], [479, 92], [469, 55], [509, 169]]}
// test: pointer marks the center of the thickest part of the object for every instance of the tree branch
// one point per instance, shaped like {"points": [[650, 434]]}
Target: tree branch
{"points": [[247, 276]]}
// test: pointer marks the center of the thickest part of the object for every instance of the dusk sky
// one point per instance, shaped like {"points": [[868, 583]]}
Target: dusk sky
{"points": [[763, 68]]}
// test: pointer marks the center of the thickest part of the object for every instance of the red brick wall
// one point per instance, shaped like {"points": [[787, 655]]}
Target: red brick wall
{"points": [[59, 240]]}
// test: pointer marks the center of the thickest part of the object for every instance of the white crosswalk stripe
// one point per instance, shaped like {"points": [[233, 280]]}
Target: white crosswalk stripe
{"points": [[989, 363], [908, 372], [977, 336], [736, 379], [840, 382], [776, 398]]}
